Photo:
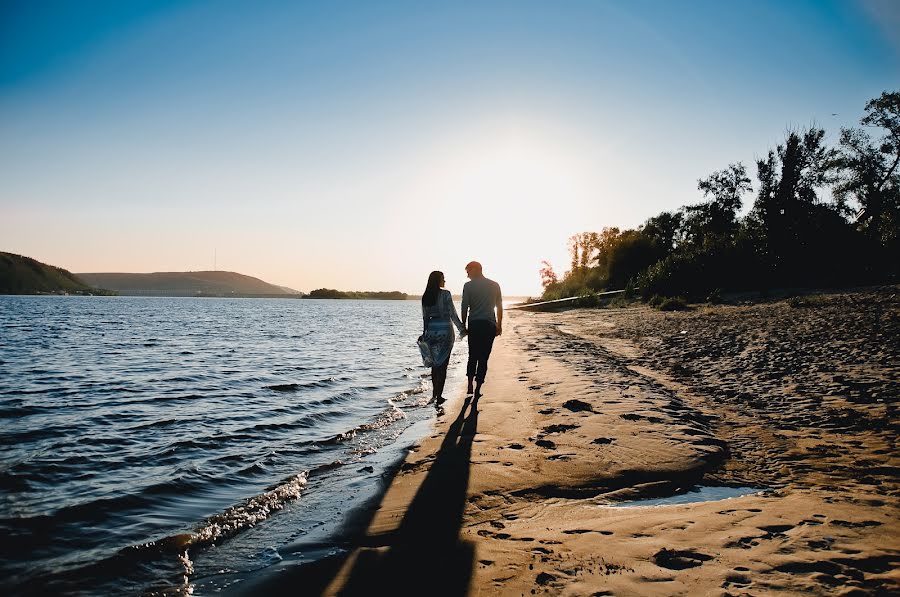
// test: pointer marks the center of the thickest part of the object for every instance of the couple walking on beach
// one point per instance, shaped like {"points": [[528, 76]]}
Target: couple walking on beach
{"points": [[482, 309]]}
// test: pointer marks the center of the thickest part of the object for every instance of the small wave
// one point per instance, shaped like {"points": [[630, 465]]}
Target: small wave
{"points": [[341, 437], [383, 419], [178, 398], [92, 511], [293, 387], [262, 427], [284, 387], [255, 468], [326, 467], [337, 398], [34, 435], [154, 424], [221, 526], [182, 379], [12, 412], [403, 396]]}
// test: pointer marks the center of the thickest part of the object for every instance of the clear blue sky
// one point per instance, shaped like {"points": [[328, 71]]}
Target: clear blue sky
{"points": [[360, 145]]}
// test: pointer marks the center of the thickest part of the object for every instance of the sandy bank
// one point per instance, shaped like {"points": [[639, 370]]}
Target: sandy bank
{"points": [[515, 493]]}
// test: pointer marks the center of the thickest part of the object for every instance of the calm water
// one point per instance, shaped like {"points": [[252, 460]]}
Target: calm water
{"points": [[152, 442]]}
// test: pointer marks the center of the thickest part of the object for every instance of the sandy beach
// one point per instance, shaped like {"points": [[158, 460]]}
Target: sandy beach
{"points": [[531, 488]]}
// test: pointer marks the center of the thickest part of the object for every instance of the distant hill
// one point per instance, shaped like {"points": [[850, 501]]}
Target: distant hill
{"points": [[24, 275], [215, 283]]}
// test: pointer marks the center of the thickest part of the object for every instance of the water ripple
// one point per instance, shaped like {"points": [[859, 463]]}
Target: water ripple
{"points": [[143, 425]]}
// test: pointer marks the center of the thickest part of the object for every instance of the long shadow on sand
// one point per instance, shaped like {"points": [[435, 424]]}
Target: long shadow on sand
{"points": [[423, 556]]}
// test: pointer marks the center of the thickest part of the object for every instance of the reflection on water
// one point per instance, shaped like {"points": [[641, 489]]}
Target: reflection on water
{"points": [[697, 494]]}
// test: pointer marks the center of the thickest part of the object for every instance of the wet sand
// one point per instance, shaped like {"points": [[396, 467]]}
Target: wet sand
{"points": [[521, 491]]}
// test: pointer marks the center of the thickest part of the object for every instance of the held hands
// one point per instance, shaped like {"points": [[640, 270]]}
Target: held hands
{"points": [[464, 332]]}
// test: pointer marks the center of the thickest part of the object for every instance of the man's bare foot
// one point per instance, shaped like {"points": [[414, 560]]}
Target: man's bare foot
{"points": [[469, 389], [439, 400], [478, 390]]}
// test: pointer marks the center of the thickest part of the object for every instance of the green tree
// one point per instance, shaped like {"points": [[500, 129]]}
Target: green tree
{"points": [[548, 275], [582, 249], [716, 220], [788, 208], [664, 230], [630, 253], [870, 173]]}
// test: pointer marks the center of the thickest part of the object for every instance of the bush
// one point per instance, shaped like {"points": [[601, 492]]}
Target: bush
{"points": [[676, 303], [801, 302], [696, 272]]}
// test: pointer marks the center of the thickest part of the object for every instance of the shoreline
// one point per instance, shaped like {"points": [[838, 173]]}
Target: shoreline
{"points": [[580, 412]]}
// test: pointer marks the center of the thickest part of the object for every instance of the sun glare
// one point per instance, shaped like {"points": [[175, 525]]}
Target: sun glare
{"points": [[522, 194]]}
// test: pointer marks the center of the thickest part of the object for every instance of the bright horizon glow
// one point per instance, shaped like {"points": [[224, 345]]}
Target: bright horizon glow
{"points": [[360, 146]]}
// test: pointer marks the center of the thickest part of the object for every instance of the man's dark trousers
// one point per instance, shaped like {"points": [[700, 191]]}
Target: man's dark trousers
{"points": [[481, 340]]}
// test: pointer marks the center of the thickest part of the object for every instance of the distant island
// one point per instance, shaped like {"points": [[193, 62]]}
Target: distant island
{"points": [[330, 293], [203, 284], [24, 275]]}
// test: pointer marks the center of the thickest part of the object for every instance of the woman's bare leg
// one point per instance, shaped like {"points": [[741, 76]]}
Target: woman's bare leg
{"points": [[439, 378], [435, 374]]}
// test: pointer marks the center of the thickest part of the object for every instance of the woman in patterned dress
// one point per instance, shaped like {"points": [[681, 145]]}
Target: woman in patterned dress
{"points": [[438, 312]]}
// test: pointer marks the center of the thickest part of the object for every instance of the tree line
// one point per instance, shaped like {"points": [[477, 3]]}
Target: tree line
{"points": [[331, 293], [821, 216]]}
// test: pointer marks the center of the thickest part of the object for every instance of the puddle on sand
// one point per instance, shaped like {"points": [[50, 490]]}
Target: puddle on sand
{"points": [[697, 494]]}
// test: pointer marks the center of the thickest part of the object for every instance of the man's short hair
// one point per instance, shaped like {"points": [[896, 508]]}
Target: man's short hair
{"points": [[473, 265]]}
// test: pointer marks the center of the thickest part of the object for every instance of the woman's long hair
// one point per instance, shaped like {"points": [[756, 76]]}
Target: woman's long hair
{"points": [[429, 297]]}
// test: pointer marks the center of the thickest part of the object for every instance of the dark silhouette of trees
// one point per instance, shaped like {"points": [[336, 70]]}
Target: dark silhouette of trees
{"points": [[625, 256], [331, 293], [788, 212], [716, 220], [870, 175], [800, 231], [663, 231]]}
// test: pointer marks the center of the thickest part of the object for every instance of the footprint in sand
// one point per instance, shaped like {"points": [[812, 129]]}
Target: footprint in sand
{"points": [[776, 529], [736, 580], [546, 443], [745, 542], [679, 559], [577, 406], [561, 428], [856, 525]]}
